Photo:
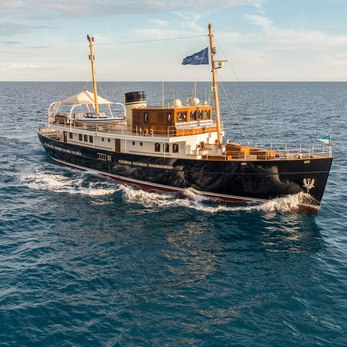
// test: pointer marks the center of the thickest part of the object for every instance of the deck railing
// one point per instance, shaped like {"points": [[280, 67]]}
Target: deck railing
{"points": [[278, 150], [123, 129], [286, 149]]}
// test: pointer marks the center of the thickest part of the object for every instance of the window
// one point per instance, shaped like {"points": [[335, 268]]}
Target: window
{"points": [[80, 137], [133, 143], [175, 148], [157, 147], [206, 114], [182, 116], [102, 139], [85, 138], [193, 115], [108, 140], [70, 135], [91, 139], [199, 114], [105, 157], [167, 148], [145, 117], [102, 156], [141, 143], [169, 117]]}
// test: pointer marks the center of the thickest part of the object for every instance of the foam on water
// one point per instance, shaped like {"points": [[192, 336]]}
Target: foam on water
{"points": [[152, 199], [63, 184], [199, 202]]}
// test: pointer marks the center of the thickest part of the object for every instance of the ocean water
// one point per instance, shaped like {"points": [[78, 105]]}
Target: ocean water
{"points": [[86, 261]]}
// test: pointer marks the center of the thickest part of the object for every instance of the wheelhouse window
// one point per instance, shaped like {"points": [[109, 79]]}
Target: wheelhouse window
{"points": [[175, 148], [193, 115], [182, 116], [206, 114], [157, 147]]}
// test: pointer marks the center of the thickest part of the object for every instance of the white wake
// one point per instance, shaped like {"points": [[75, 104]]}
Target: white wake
{"points": [[63, 184], [191, 200], [152, 200]]}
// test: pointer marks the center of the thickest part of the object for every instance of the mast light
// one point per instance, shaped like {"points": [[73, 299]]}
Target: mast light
{"points": [[220, 63]]}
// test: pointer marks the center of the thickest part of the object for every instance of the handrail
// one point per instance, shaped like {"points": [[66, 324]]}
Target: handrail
{"points": [[279, 150]]}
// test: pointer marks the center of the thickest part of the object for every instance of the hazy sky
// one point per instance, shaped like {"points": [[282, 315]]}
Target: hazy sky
{"points": [[263, 39]]}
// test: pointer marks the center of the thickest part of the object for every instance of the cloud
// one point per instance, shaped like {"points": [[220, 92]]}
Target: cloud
{"points": [[16, 67], [274, 37], [81, 8], [258, 20], [27, 67], [250, 56], [334, 59], [10, 43], [7, 29]]}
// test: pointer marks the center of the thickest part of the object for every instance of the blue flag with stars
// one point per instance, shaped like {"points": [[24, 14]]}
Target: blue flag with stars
{"points": [[199, 58]]}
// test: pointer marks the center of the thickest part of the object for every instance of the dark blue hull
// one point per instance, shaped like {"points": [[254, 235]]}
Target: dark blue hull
{"points": [[230, 180]]}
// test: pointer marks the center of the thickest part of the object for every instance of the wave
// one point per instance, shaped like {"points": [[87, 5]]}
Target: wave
{"points": [[152, 199], [199, 202], [63, 184]]}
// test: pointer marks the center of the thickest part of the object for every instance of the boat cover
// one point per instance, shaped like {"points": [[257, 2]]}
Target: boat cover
{"points": [[86, 98]]}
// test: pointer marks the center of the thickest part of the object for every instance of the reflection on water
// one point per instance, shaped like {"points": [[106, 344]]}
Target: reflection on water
{"points": [[274, 232], [191, 252]]}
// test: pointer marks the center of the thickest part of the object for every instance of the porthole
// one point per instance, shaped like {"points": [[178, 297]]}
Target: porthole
{"points": [[133, 143]]}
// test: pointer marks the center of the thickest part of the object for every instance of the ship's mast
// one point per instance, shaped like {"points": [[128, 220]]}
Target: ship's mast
{"points": [[215, 85], [92, 58]]}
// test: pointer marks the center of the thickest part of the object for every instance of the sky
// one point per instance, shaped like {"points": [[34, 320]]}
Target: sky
{"points": [[146, 40]]}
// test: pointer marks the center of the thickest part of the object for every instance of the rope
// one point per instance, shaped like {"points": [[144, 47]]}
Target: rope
{"points": [[146, 41], [225, 57], [69, 86], [234, 113], [227, 96]]}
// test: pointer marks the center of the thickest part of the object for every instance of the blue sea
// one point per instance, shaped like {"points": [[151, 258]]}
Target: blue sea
{"points": [[87, 261]]}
